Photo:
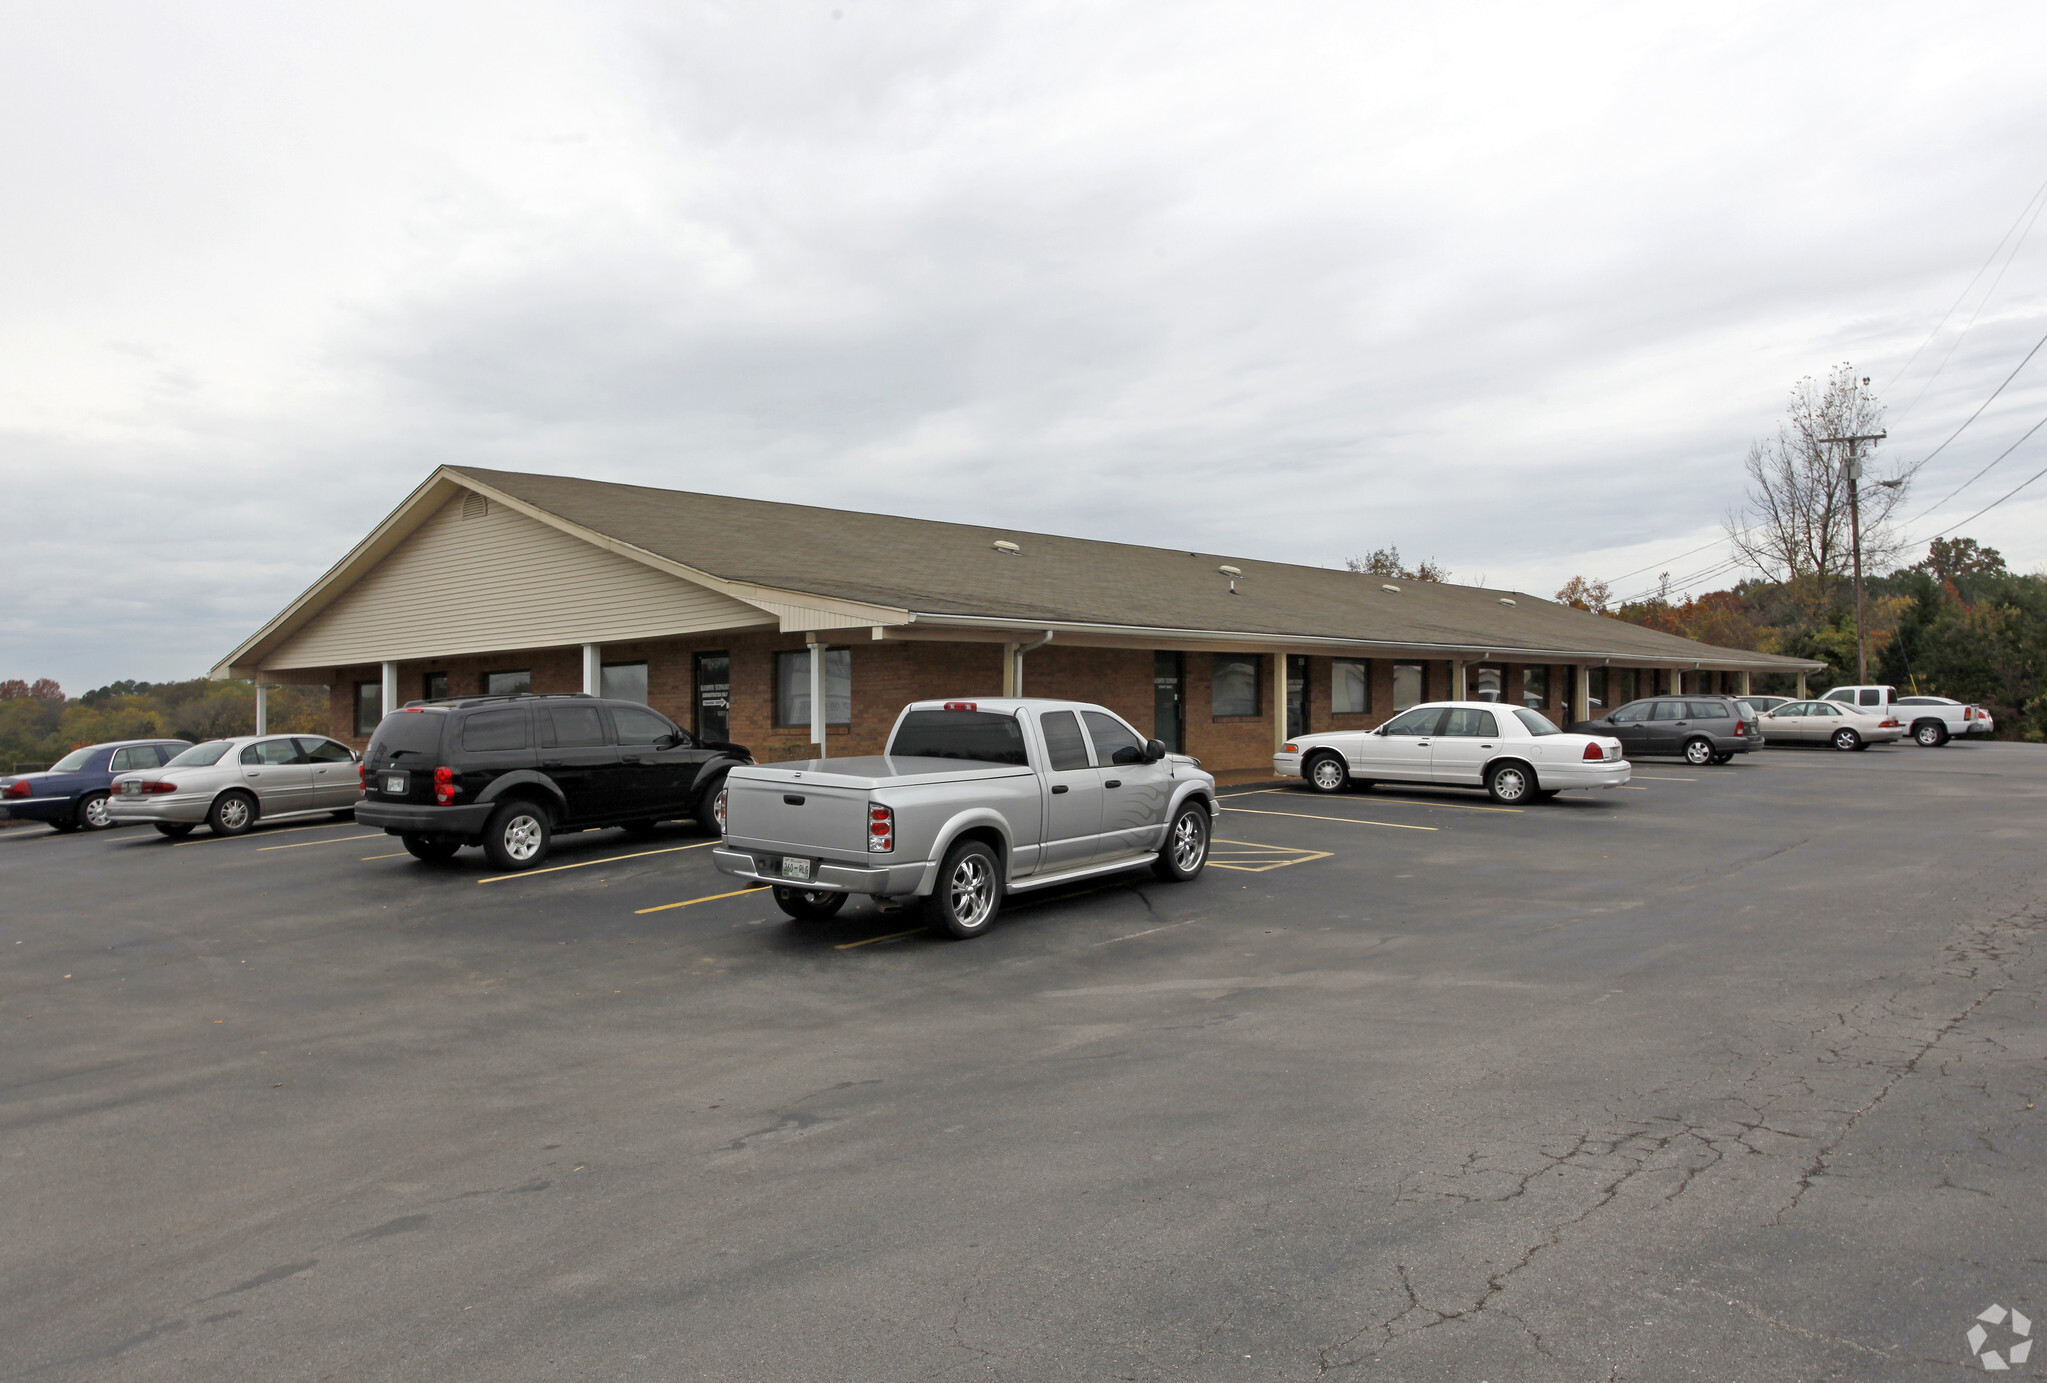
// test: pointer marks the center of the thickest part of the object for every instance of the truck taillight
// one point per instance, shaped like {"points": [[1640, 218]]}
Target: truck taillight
{"points": [[881, 830], [962, 706], [1593, 751], [444, 785]]}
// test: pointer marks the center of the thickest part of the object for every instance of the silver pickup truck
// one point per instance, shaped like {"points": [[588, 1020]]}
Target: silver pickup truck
{"points": [[971, 800]]}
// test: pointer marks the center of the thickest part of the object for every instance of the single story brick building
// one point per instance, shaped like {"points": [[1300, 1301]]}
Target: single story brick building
{"points": [[797, 630]]}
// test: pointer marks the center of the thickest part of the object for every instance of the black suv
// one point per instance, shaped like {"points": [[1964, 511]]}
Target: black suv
{"points": [[505, 772], [1702, 729]]}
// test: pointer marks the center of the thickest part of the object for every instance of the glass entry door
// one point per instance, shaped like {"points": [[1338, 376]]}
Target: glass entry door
{"points": [[1168, 682], [714, 698], [1296, 694]]}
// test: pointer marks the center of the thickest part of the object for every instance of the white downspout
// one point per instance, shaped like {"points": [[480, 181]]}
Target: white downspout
{"points": [[817, 706], [1017, 660]]}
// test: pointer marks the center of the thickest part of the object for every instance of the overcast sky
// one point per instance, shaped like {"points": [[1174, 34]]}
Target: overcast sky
{"points": [[1512, 286]]}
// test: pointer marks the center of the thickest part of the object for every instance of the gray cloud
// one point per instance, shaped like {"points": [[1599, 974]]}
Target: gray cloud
{"points": [[1509, 287]]}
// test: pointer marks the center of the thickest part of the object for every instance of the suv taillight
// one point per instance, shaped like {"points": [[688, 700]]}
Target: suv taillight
{"points": [[444, 785], [362, 774], [881, 830]]}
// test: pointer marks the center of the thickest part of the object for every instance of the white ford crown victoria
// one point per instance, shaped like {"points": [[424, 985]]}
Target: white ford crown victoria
{"points": [[1511, 752]]}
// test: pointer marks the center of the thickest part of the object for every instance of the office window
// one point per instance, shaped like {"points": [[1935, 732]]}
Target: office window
{"points": [[792, 687], [624, 682], [1486, 683], [508, 683], [369, 708], [1535, 687], [435, 685], [1595, 690], [1350, 686], [1407, 685], [1234, 691]]}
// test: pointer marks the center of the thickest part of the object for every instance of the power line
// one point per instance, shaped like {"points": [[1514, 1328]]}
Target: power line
{"points": [[1990, 506], [1985, 404], [1976, 477], [1988, 294]]}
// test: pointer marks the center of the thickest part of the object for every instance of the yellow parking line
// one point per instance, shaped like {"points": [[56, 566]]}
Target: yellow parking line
{"points": [[331, 840], [585, 864], [275, 831], [1657, 778], [1407, 801], [1351, 820], [399, 855], [710, 898], [892, 936]]}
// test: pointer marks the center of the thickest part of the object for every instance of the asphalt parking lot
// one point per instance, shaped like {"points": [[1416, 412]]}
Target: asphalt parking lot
{"points": [[1730, 1074]]}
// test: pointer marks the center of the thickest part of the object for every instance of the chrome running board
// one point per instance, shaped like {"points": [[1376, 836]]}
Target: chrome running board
{"points": [[1067, 876]]}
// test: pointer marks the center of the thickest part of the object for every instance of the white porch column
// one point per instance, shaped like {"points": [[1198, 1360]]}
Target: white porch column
{"points": [[389, 690], [1745, 688], [262, 709], [1457, 692], [817, 706], [1801, 686], [1581, 692], [593, 668], [1010, 669]]}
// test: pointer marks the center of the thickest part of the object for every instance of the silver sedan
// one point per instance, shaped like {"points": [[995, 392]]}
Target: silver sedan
{"points": [[1830, 722], [229, 785]]}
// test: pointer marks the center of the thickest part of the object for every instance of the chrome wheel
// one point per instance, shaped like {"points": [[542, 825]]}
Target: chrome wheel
{"points": [[971, 891], [1508, 783], [1846, 739], [718, 810], [1928, 736], [1698, 753], [93, 813], [1327, 774], [232, 815], [1190, 842], [522, 837]]}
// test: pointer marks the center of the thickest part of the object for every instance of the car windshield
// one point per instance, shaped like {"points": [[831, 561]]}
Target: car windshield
{"points": [[200, 755], [73, 761], [1537, 724]]}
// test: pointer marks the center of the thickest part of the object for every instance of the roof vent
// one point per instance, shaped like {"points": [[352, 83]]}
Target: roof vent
{"points": [[1389, 586], [474, 506], [1233, 573], [1004, 545], [1506, 600]]}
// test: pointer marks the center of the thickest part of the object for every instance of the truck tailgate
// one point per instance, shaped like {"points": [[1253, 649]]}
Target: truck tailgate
{"points": [[801, 818]]}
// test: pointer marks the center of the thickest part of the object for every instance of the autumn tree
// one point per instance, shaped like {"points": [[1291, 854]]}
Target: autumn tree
{"points": [[1385, 561], [1583, 593], [1793, 522]]}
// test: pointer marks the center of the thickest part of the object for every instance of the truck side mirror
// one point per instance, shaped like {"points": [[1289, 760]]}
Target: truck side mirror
{"points": [[1154, 750]]}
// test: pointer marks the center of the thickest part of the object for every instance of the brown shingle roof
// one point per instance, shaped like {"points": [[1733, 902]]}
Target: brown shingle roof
{"points": [[953, 570]]}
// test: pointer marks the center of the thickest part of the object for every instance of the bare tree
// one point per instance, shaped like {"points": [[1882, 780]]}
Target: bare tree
{"points": [[1793, 521], [1385, 561]]}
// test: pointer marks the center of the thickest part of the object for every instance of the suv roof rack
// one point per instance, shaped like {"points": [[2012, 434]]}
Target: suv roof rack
{"points": [[484, 698]]}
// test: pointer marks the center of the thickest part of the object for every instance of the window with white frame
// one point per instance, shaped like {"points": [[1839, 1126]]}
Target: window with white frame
{"points": [[1350, 686], [792, 687], [1235, 688], [1535, 687], [1407, 686]]}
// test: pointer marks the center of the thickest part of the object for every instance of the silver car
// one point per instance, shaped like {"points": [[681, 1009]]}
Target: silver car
{"points": [[229, 785]]}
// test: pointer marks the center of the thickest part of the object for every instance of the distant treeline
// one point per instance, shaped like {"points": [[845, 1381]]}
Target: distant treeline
{"points": [[39, 724], [1957, 624]]}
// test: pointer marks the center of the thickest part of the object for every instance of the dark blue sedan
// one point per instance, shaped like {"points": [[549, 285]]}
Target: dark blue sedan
{"points": [[72, 793]]}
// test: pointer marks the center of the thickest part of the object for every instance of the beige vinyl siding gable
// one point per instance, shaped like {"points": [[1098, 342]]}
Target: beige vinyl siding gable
{"points": [[499, 580]]}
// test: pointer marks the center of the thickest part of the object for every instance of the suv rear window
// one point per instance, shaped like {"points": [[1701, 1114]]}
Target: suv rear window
{"points": [[408, 733], [983, 736]]}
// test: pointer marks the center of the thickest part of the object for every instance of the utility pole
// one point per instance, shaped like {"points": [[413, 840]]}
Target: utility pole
{"points": [[1851, 471]]}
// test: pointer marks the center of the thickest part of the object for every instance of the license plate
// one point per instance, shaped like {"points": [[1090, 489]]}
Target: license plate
{"points": [[394, 783], [795, 869]]}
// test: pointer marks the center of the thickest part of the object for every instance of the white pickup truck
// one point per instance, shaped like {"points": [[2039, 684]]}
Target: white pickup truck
{"points": [[1930, 721], [970, 800]]}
